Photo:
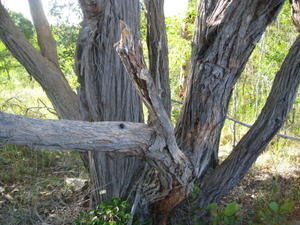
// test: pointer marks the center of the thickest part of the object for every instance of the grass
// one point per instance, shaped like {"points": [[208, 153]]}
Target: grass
{"points": [[29, 100], [33, 188]]}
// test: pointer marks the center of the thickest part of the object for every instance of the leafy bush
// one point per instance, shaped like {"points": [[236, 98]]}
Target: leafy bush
{"points": [[226, 216], [116, 212], [222, 216], [274, 213]]}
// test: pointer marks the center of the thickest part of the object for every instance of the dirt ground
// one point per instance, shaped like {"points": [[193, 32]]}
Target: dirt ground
{"points": [[34, 187]]}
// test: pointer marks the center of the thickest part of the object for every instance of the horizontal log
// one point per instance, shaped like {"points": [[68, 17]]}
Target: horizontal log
{"points": [[120, 137]]}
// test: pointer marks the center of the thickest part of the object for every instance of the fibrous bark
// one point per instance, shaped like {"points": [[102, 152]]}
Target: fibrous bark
{"points": [[105, 91], [226, 33], [158, 50], [270, 120]]}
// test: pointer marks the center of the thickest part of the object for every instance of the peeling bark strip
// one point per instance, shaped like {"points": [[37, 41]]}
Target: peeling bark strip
{"points": [[133, 60], [175, 178], [132, 139]]}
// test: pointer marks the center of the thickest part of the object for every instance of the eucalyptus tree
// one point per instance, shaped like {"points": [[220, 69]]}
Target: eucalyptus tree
{"points": [[154, 164]]}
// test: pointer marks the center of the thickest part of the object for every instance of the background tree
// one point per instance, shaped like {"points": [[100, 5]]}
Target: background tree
{"points": [[176, 159]]}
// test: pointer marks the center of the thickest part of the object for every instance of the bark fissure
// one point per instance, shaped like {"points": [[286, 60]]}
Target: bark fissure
{"points": [[270, 120], [106, 93], [153, 161], [158, 50], [226, 34]]}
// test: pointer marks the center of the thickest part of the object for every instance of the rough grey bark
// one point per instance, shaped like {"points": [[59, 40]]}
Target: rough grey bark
{"points": [[158, 50], [270, 120], [105, 91], [130, 52], [174, 180], [226, 33], [132, 139], [296, 13], [44, 71]]}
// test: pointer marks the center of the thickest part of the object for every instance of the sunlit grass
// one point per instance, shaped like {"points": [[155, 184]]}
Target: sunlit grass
{"points": [[29, 100]]}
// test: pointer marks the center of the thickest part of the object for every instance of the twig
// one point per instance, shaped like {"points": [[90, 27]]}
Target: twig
{"points": [[50, 110]]}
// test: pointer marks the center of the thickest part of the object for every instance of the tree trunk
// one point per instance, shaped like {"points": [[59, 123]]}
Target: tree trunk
{"points": [[227, 31], [158, 50], [106, 93], [270, 120]]}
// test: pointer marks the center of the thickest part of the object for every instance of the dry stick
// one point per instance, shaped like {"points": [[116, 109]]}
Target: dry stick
{"points": [[173, 159], [249, 126]]}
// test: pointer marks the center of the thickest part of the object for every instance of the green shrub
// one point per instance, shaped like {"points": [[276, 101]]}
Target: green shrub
{"points": [[116, 212], [229, 215], [274, 213]]}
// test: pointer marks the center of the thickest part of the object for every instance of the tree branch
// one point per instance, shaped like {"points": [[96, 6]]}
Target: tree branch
{"points": [[174, 161], [158, 50], [46, 40], [270, 120], [296, 13], [248, 125], [226, 33], [131, 55], [45, 72], [90, 8], [119, 137]]}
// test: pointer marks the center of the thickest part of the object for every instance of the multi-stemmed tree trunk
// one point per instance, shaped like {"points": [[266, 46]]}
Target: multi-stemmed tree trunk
{"points": [[164, 162]]}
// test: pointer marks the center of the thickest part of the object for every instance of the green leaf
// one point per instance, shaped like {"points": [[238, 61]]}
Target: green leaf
{"points": [[231, 209], [226, 219], [274, 206], [212, 206], [287, 207]]}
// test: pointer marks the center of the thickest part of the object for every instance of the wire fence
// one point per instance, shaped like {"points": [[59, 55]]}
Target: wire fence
{"points": [[248, 125]]}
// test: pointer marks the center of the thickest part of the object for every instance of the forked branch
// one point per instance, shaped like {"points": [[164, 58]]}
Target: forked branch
{"points": [[270, 120], [132, 57], [46, 73], [46, 40], [172, 159]]}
